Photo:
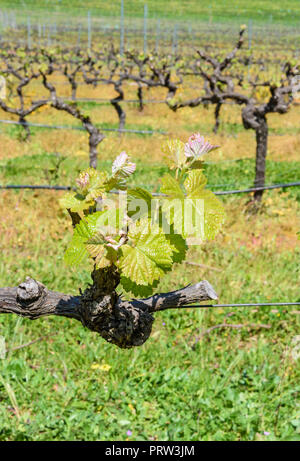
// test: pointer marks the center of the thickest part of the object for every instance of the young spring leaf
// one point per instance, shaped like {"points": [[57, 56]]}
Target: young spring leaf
{"points": [[174, 153], [139, 202], [75, 202], [95, 187], [196, 146], [137, 290], [214, 214], [122, 167], [171, 187], [121, 170], [155, 239], [91, 186], [103, 255], [195, 183], [76, 250], [197, 206], [83, 231], [150, 255], [178, 245]]}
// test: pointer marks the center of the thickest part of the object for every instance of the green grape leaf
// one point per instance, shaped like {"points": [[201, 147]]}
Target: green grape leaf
{"points": [[149, 257], [96, 185], [75, 252], [91, 186], [171, 187], [140, 198], [90, 224], [103, 255], [82, 233], [195, 183], [137, 266], [149, 238], [214, 214], [115, 182], [178, 245], [74, 202], [121, 170], [196, 164], [173, 211], [109, 221], [142, 291], [198, 214], [173, 150]]}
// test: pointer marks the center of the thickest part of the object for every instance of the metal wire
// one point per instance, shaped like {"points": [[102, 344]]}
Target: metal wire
{"points": [[155, 194], [145, 101], [242, 191], [80, 128], [253, 189], [12, 186], [237, 305]]}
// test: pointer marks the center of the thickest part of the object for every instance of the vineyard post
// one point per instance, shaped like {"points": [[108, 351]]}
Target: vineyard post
{"points": [[28, 33], [249, 44], [13, 20], [49, 37], [89, 30], [39, 33], [250, 34], [79, 35], [145, 27], [157, 35], [174, 42], [122, 29]]}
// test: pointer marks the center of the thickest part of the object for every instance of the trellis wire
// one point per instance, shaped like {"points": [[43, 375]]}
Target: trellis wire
{"points": [[80, 128], [145, 101], [254, 189], [237, 305], [250, 189], [13, 186], [154, 194], [214, 25]]}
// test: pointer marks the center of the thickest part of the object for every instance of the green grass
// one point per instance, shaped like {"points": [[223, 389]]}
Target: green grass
{"points": [[233, 385], [222, 10], [233, 129], [50, 168]]}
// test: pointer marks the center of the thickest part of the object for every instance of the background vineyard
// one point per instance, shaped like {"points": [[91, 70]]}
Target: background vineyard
{"points": [[235, 383]]}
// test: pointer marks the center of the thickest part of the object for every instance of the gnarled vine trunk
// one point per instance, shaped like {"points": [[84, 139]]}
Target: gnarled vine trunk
{"points": [[256, 120], [115, 102], [25, 125], [140, 97], [217, 117], [99, 308], [261, 154], [95, 137]]}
